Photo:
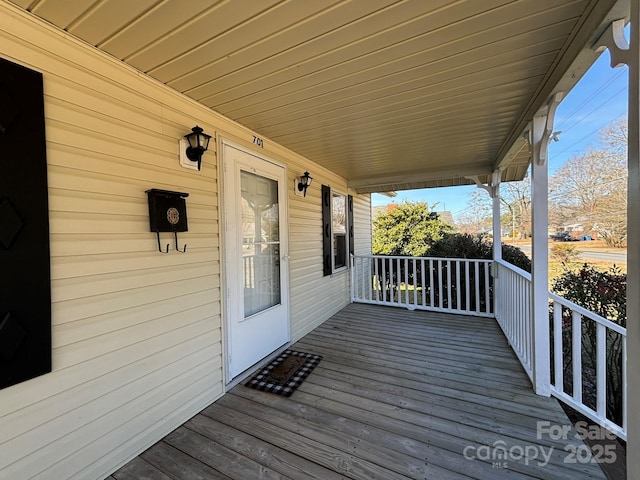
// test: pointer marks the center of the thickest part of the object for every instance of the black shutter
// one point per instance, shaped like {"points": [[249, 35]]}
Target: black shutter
{"points": [[25, 289], [350, 224], [326, 229]]}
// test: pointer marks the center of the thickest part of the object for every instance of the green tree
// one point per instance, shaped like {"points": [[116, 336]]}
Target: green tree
{"points": [[407, 229]]}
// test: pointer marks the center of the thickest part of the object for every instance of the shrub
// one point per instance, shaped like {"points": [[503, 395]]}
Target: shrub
{"points": [[464, 245], [601, 292], [516, 257], [564, 253]]}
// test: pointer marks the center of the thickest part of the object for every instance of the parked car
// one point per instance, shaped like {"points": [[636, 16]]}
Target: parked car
{"points": [[562, 237]]}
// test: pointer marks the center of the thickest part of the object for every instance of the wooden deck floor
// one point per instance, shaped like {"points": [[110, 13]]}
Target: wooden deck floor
{"points": [[397, 395]]}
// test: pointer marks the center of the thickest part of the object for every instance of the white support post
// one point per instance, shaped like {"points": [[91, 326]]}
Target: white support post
{"points": [[540, 133], [497, 238], [622, 52], [633, 249], [494, 192], [497, 227]]}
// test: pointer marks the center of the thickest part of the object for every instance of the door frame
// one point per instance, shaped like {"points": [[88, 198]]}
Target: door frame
{"points": [[224, 260]]}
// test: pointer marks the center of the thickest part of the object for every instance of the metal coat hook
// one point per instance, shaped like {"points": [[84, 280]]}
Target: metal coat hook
{"points": [[175, 234], [160, 246]]}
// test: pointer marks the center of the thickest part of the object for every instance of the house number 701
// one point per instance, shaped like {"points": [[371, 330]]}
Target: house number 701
{"points": [[258, 141]]}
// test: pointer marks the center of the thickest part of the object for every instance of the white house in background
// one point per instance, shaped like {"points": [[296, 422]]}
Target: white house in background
{"points": [[367, 97]]}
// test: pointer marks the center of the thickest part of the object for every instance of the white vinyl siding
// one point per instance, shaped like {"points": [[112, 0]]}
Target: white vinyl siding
{"points": [[137, 334], [137, 343], [362, 224]]}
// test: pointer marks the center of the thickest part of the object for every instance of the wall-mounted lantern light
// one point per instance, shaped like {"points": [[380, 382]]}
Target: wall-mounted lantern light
{"points": [[302, 183], [192, 147]]}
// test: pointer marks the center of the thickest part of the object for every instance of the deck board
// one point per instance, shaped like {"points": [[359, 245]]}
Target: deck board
{"points": [[398, 395]]}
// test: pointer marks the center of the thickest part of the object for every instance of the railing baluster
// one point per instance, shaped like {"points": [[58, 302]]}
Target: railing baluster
{"points": [[458, 285], [367, 278], [431, 288], [406, 281], [576, 355], [398, 295], [467, 290], [415, 282], [558, 354], [422, 275], [476, 277], [601, 369], [384, 280], [487, 293], [398, 280], [449, 285], [440, 299]]}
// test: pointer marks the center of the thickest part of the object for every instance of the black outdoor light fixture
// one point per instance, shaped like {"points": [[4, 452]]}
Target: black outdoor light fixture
{"points": [[304, 182], [198, 144]]}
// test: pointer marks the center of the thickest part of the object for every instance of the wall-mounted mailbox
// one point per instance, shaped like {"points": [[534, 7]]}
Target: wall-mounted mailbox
{"points": [[167, 213]]}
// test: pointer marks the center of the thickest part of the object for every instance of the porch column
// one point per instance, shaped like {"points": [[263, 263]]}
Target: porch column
{"points": [[497, 227], [497, 234], [622, 53], [494, 192], [540, 133], [633, 249]]}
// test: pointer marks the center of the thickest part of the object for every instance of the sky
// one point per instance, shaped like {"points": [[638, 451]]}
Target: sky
{"points": [[598, 99]]}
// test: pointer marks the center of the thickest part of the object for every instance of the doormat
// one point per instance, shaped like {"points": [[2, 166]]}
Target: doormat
{"points": [[285, 373]]}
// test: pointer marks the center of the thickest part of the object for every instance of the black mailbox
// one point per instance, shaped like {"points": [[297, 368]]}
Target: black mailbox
{"points": [[167, 213]]}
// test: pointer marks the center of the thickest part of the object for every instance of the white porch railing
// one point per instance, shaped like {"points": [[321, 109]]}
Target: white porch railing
{"points": [[513, 311], [599, 341], [600, 344], [451, 285]]}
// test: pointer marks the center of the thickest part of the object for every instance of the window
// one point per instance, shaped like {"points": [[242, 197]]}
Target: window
{"points": [[339, 230], [337, 217]]}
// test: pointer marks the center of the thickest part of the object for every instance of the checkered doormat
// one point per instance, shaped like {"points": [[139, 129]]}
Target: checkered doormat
{"points": [[285, 373]]}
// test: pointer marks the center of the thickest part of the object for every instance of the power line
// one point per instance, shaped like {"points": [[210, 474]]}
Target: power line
{"points": [[586, 101], [586, 136]]}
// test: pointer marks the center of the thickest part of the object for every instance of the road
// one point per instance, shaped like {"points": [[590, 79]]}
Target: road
{"points": [[616, 256]]}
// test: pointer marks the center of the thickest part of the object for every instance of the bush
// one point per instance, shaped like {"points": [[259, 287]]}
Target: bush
{"points": [[464, 245], [604, 293], [516, 257], [564, 253]]}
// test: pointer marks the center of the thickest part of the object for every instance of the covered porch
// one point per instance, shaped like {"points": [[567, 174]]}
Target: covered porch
{"points": [[398, 394], [365, 96]]}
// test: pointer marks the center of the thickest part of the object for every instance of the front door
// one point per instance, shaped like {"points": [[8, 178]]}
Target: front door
{"points": [[256, 250]]}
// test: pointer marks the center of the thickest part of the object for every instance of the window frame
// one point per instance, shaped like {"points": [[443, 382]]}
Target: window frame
{"points": [[335, 235], [329, 236]]}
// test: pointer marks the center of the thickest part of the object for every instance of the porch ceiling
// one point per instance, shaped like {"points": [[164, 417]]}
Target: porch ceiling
{"points": [[389, 94]]}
